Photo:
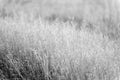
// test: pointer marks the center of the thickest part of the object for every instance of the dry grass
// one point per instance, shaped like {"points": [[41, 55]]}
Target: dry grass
{"points": [[84, 47], [38, 50]]}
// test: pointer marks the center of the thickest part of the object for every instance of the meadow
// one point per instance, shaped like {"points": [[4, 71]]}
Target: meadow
{"points": [[59, 40]]}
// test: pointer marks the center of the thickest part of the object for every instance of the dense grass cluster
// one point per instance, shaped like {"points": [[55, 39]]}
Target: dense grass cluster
{"points": [[60, 47], [39, 50]]}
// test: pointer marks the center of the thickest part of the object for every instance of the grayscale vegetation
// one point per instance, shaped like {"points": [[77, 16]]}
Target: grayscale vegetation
{"points": [[59, 40]]}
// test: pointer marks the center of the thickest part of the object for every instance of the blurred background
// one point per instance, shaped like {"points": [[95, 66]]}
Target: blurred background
{"points": [[100, 12], [87, 9]]}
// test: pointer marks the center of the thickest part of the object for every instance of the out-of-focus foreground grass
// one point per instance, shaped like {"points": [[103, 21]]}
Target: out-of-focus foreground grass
{"points": [[63, 49]]}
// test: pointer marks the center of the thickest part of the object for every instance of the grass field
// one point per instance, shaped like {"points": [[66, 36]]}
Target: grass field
{"points": [[59, 45]]}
